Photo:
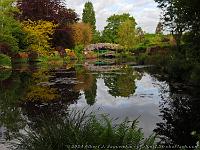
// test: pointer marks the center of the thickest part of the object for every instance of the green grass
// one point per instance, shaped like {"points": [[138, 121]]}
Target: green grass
{"points": [[50, 58], [82, 129], [5, 61]]}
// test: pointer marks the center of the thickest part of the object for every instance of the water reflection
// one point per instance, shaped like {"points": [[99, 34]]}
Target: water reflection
{"points": [[29, 92], [11, 91], [181, 119], [121, 83], [180, 114], [87, 82]]}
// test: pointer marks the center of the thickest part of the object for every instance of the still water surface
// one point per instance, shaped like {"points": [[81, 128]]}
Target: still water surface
{"points": [[121, 90]]}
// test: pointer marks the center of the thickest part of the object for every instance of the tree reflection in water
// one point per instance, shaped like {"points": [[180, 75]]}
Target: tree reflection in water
{"points": [[29, 94], [90, 94], [11, 91], [181, 117], [121, 83], [87, 81], [50, 95]]}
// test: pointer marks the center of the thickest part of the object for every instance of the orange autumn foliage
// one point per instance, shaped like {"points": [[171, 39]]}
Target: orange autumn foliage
{"points": [[82, 33]]}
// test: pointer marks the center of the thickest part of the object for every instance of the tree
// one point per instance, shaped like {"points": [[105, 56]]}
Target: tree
{"points": [[126, 34], [140, 34], [181, 16], [63, 37], [53, 11], [82, 33], [159, 28], [49, 10], [39, 33], [111, 29], [11, 34], [97, 37], [89, 15]]}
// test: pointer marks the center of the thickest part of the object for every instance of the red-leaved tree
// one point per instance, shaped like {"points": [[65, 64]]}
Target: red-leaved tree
{"points": [[50, 10]]}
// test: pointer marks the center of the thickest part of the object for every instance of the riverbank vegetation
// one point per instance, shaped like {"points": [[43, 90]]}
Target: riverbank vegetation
{"points": [[181, 63], [78, 131]]}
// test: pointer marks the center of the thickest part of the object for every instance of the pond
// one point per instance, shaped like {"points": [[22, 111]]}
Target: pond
{"points": [[120, 89]]}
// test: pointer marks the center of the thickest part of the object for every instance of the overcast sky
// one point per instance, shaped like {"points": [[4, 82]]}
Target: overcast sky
{"points": [[144, 11]]}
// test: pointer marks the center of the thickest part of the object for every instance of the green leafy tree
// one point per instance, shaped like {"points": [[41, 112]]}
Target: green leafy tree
{"points": [[140, 34], [89, 15], [10, 29], [126, 34], [181, 16], [159, 28], [110, 33], [97, 37]]}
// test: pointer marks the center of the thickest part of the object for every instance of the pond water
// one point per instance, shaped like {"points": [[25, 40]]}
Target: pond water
{"points": [[120, 89]]}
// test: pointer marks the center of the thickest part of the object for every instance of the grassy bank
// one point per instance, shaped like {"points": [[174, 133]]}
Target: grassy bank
{"points": [[80, 130]]}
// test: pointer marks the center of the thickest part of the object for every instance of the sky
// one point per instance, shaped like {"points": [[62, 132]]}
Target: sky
{"points": [[144, 11]]}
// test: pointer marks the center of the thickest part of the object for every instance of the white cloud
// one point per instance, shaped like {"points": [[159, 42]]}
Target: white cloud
{"points": [[144, 11]]}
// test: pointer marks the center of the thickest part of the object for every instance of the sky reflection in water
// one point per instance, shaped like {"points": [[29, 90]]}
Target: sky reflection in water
{"points": [[144, 102], [163, 106]]}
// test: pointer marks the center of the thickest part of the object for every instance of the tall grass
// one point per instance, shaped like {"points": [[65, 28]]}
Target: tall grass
{"points": [[82, 130]]}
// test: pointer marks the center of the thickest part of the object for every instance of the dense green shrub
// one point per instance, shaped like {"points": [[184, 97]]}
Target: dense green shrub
{"points": [[5, 61], [11, 42], [140, 48], [175, 66], [179, 69], [10, 30], [78, 49]]}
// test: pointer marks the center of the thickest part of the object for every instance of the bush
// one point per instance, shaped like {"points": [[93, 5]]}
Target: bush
{"points": [[78, 49], [11, 42], [140, 48], [38, 35], [5, 61], [81, 129], [179, 69]]}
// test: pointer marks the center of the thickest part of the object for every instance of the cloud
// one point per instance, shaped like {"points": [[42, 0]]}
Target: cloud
{"points": [[144, 11]]}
